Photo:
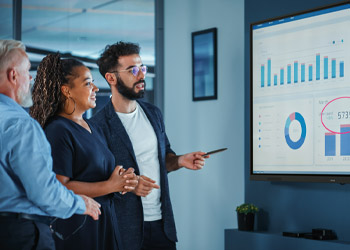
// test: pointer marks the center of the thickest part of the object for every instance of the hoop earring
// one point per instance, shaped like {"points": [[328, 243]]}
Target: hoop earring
{"points": [[64, 108]]}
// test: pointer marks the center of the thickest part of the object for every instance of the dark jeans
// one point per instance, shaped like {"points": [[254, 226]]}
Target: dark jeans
{"points": [[154, 237], [23, 234]]}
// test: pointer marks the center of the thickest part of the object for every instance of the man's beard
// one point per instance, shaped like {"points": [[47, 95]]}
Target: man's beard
{"points": [[129, 93], [25, 98]]}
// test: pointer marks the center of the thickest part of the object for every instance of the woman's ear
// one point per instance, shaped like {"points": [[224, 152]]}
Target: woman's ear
{"points": [[65, 91]]}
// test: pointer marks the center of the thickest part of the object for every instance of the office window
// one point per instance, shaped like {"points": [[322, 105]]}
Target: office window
{"points": [[6, 19], [83, 28]]}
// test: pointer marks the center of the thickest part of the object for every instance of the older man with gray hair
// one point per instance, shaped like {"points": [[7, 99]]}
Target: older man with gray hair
{"points": [[30, 194]]}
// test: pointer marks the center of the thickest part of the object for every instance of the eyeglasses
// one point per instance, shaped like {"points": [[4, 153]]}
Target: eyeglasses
{"points": [[134, 70]]}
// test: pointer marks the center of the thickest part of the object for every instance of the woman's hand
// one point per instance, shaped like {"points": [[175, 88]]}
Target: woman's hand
{"points": [[122, 180]]}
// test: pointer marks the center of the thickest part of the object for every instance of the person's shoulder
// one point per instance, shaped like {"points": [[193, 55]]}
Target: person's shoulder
{"points": [[100, 117], [146, 104], [21, 128], [152, 111], [149, 106], [22, 121], [56, 121], [17, 120], [58, 125]]}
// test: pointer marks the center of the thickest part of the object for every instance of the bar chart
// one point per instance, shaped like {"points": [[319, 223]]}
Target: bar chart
{"points": [[345, 139], [332, 69], [330, 144], [331, 138]]}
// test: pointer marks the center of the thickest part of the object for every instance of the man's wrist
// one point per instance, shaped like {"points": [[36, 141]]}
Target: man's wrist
{"points": [[180, 161], [173, 162], [81, 205]]}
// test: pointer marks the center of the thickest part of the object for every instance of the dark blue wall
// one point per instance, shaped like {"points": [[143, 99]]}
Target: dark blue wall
{"points": [[288, 206]]}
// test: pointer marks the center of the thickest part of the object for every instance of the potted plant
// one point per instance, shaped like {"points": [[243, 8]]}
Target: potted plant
{"points": [[245, 216]]}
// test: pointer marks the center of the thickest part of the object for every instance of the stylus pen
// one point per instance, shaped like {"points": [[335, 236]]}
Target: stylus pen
{"points": [[215, 151]]}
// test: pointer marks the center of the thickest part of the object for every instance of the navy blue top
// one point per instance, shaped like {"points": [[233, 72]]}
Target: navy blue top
{"points": [[84, 156], [77, 153]]}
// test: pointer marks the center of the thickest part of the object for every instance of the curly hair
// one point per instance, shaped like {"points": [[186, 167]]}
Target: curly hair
{"points": [[108, 60], [52, 73]]}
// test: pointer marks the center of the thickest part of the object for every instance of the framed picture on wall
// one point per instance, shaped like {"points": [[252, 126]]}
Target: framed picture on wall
{"points": [[204, 65]]}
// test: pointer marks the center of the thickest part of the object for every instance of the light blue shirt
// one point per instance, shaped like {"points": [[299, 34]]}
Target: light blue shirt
{"points": [[27, 182]]}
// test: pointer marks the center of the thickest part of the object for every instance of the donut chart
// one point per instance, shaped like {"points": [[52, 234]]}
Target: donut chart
{"points": [[295, 117]]}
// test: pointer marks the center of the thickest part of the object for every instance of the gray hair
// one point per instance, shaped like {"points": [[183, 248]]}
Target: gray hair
{"points": [[6, 47]]}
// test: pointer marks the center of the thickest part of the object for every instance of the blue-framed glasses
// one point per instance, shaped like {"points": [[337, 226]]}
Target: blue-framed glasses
{"points": [[134, 70]]}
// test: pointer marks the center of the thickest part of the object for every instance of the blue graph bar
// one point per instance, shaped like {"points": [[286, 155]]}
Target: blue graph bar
{"points": [[282, 76], [345, 140], [318, 67], [302, 71], [289, 73], [325, 69], [341, 69], [310, 72], [262, 75], [295, 71], [333, 68], [329, 144], [275, 79], [269, 72]]}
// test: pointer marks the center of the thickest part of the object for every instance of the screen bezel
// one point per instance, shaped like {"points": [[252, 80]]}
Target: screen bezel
{"points": [[328, 178]]}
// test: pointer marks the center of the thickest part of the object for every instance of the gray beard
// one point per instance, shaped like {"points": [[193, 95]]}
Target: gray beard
{"points": [[25, 99]]}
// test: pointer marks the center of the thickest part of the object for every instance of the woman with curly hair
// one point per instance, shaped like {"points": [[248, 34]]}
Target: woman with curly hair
{"points": [[63, 90]]}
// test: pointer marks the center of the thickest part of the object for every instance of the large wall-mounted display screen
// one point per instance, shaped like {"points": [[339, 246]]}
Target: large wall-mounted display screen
{"points": [[300, 96]]}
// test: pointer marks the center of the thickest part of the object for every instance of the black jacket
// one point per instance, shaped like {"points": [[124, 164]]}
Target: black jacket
{"points": [[129, 206]]}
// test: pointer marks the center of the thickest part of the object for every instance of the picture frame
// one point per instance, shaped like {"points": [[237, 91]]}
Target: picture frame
{"points": [[204, 65]]}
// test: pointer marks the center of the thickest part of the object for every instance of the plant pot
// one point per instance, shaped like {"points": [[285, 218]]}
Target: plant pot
{"points": [[245, 221]]}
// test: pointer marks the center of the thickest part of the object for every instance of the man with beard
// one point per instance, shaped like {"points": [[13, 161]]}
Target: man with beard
{"points": [[136, 136], [30, 193]]}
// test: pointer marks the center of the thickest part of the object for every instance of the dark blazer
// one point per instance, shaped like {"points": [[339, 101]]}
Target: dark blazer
{"points": [[129, 206]]}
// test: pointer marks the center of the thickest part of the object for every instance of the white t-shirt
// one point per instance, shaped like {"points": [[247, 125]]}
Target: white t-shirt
{"points": [[145, 145]]}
